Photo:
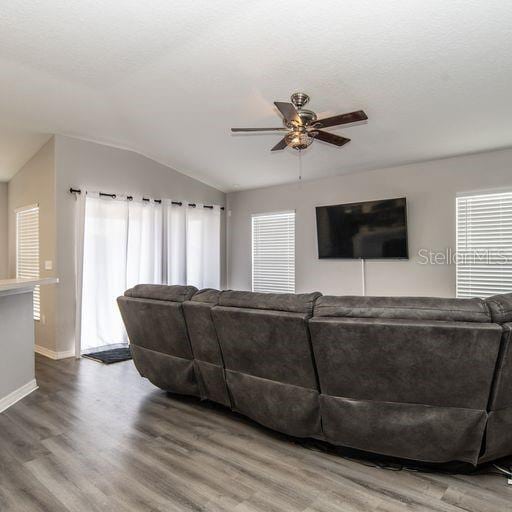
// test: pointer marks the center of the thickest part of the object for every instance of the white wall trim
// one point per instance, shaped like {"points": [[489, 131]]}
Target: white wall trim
{"points": [[17, 395], [46, 352]]}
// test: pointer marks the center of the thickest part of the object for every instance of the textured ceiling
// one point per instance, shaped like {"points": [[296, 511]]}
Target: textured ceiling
{"points": [[169, 78]]}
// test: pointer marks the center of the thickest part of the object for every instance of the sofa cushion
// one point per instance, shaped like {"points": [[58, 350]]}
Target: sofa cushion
{"points": [[290, 302], [448, 364], [174, 293], [406, 308], [500, 307], [272, 345], [207, 295], [157, 325]]}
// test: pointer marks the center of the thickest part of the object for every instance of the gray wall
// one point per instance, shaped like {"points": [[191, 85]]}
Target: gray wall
{"points": [[4, 254], [430, 188], [87, 165], [34, 183], [16, 342]]}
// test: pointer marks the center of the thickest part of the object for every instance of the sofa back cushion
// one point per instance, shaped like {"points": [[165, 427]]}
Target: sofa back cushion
{"points": [[175, 293], [405, 308], [207, 296], [268, 344], [156, 325], [289, 302], [267, 353], [500, 307], [438, 363]]}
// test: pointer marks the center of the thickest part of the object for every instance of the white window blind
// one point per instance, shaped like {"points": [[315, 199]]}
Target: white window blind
{"points": [[484, 245], [27, 249], [273, 252]]}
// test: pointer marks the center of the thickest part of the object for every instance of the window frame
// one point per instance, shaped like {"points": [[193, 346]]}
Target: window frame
{"points": [[37, 294], [485, 288], [268, 214]]}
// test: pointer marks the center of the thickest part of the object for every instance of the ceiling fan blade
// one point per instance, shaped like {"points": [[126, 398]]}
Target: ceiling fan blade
{"points": [[280, 145], [351, 117], [259, 129], [288, 111], [331, 138]]}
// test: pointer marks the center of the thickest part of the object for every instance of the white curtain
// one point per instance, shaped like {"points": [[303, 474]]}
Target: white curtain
{"points": [[145, 238], [203, 247], [175, 244], [104, 270], [132, 242], [79, 259]]}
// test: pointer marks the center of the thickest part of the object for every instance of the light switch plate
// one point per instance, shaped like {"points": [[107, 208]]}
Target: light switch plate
{"points": [[48, 265]]}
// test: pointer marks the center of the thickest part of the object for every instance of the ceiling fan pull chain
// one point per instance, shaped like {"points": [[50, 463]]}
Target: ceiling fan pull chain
{"points": [[300, 165]]}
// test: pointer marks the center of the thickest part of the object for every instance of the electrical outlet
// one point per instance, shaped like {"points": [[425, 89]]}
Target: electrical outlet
{"points": [[48, 265]]}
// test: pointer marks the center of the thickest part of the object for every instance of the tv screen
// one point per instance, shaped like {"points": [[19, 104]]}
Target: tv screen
{"points": [[373, 229]]}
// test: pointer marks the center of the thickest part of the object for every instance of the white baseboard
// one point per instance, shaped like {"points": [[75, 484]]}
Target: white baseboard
{"points": [[17, 395], [46, 352]]}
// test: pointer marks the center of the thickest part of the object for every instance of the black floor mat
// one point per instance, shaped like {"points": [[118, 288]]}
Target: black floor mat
{"points": [[113, 355]]}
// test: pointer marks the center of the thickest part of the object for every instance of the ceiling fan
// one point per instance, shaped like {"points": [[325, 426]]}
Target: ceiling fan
{"points": [[302, 125]]}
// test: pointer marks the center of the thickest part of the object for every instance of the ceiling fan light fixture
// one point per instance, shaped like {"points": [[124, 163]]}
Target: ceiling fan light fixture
{"points": [[298, 140]]}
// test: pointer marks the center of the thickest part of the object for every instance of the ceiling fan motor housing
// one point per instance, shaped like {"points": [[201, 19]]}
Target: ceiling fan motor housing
{"points": [[299, 99], [307, 117]]}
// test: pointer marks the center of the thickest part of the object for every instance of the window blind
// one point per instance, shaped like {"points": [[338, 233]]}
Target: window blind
{"points": [[484, 245], [273, 252], [27, 250]]}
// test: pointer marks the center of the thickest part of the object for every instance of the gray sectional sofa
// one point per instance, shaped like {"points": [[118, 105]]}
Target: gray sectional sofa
{"points": [[426, 379]]}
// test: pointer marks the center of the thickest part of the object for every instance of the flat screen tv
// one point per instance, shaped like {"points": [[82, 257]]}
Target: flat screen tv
{"points": [[369, 230]]}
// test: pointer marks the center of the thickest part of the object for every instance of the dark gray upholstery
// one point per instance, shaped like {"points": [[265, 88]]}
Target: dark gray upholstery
{"points": [[502, 388], [406, 361], [405, 308], [498, 439], [419, 378], [291, 302], [205, 346], [267, 353], [154, 320], [434, 376], [161, 292], [500, 307], [411, 431]]}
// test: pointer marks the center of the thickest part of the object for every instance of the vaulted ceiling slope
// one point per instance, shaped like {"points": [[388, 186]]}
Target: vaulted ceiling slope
{"points": [[169, 78]]}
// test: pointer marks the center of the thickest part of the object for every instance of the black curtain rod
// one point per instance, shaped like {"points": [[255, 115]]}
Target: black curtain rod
{"points": [[130, 198]]}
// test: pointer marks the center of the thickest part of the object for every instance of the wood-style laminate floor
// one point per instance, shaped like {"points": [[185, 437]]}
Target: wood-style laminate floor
{"points": [[100, 438]]}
